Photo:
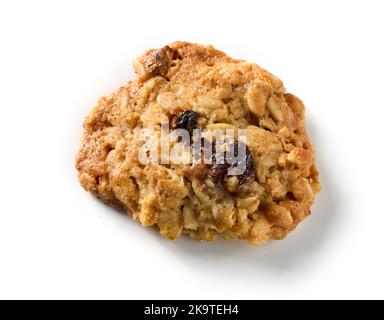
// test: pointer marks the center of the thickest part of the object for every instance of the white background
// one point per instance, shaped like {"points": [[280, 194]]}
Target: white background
{"points": [[58, 57]]}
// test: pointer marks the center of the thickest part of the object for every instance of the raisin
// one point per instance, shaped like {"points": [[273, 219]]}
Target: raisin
{"points": [[187, 120], [219, 171], [156, 63]]}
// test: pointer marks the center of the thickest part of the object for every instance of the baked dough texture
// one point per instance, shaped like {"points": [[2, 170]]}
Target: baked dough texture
{"points": [[185, 199]]}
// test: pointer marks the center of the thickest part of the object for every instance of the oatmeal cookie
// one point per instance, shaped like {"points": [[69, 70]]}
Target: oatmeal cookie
{"points": [[193, 86]]}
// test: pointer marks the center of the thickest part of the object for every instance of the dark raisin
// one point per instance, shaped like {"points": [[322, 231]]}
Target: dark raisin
{"points": [[219, 171], [157, 63], [187, 121]]}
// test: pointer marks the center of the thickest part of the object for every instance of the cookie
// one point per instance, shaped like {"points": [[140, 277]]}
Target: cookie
{"points": [[192, 88]]}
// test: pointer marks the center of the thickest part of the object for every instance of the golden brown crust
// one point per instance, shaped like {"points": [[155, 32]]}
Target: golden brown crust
{"points": [[183, 199]]}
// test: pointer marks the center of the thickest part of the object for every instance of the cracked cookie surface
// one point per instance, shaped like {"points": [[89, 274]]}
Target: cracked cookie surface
{"points": [[190, 79]]}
